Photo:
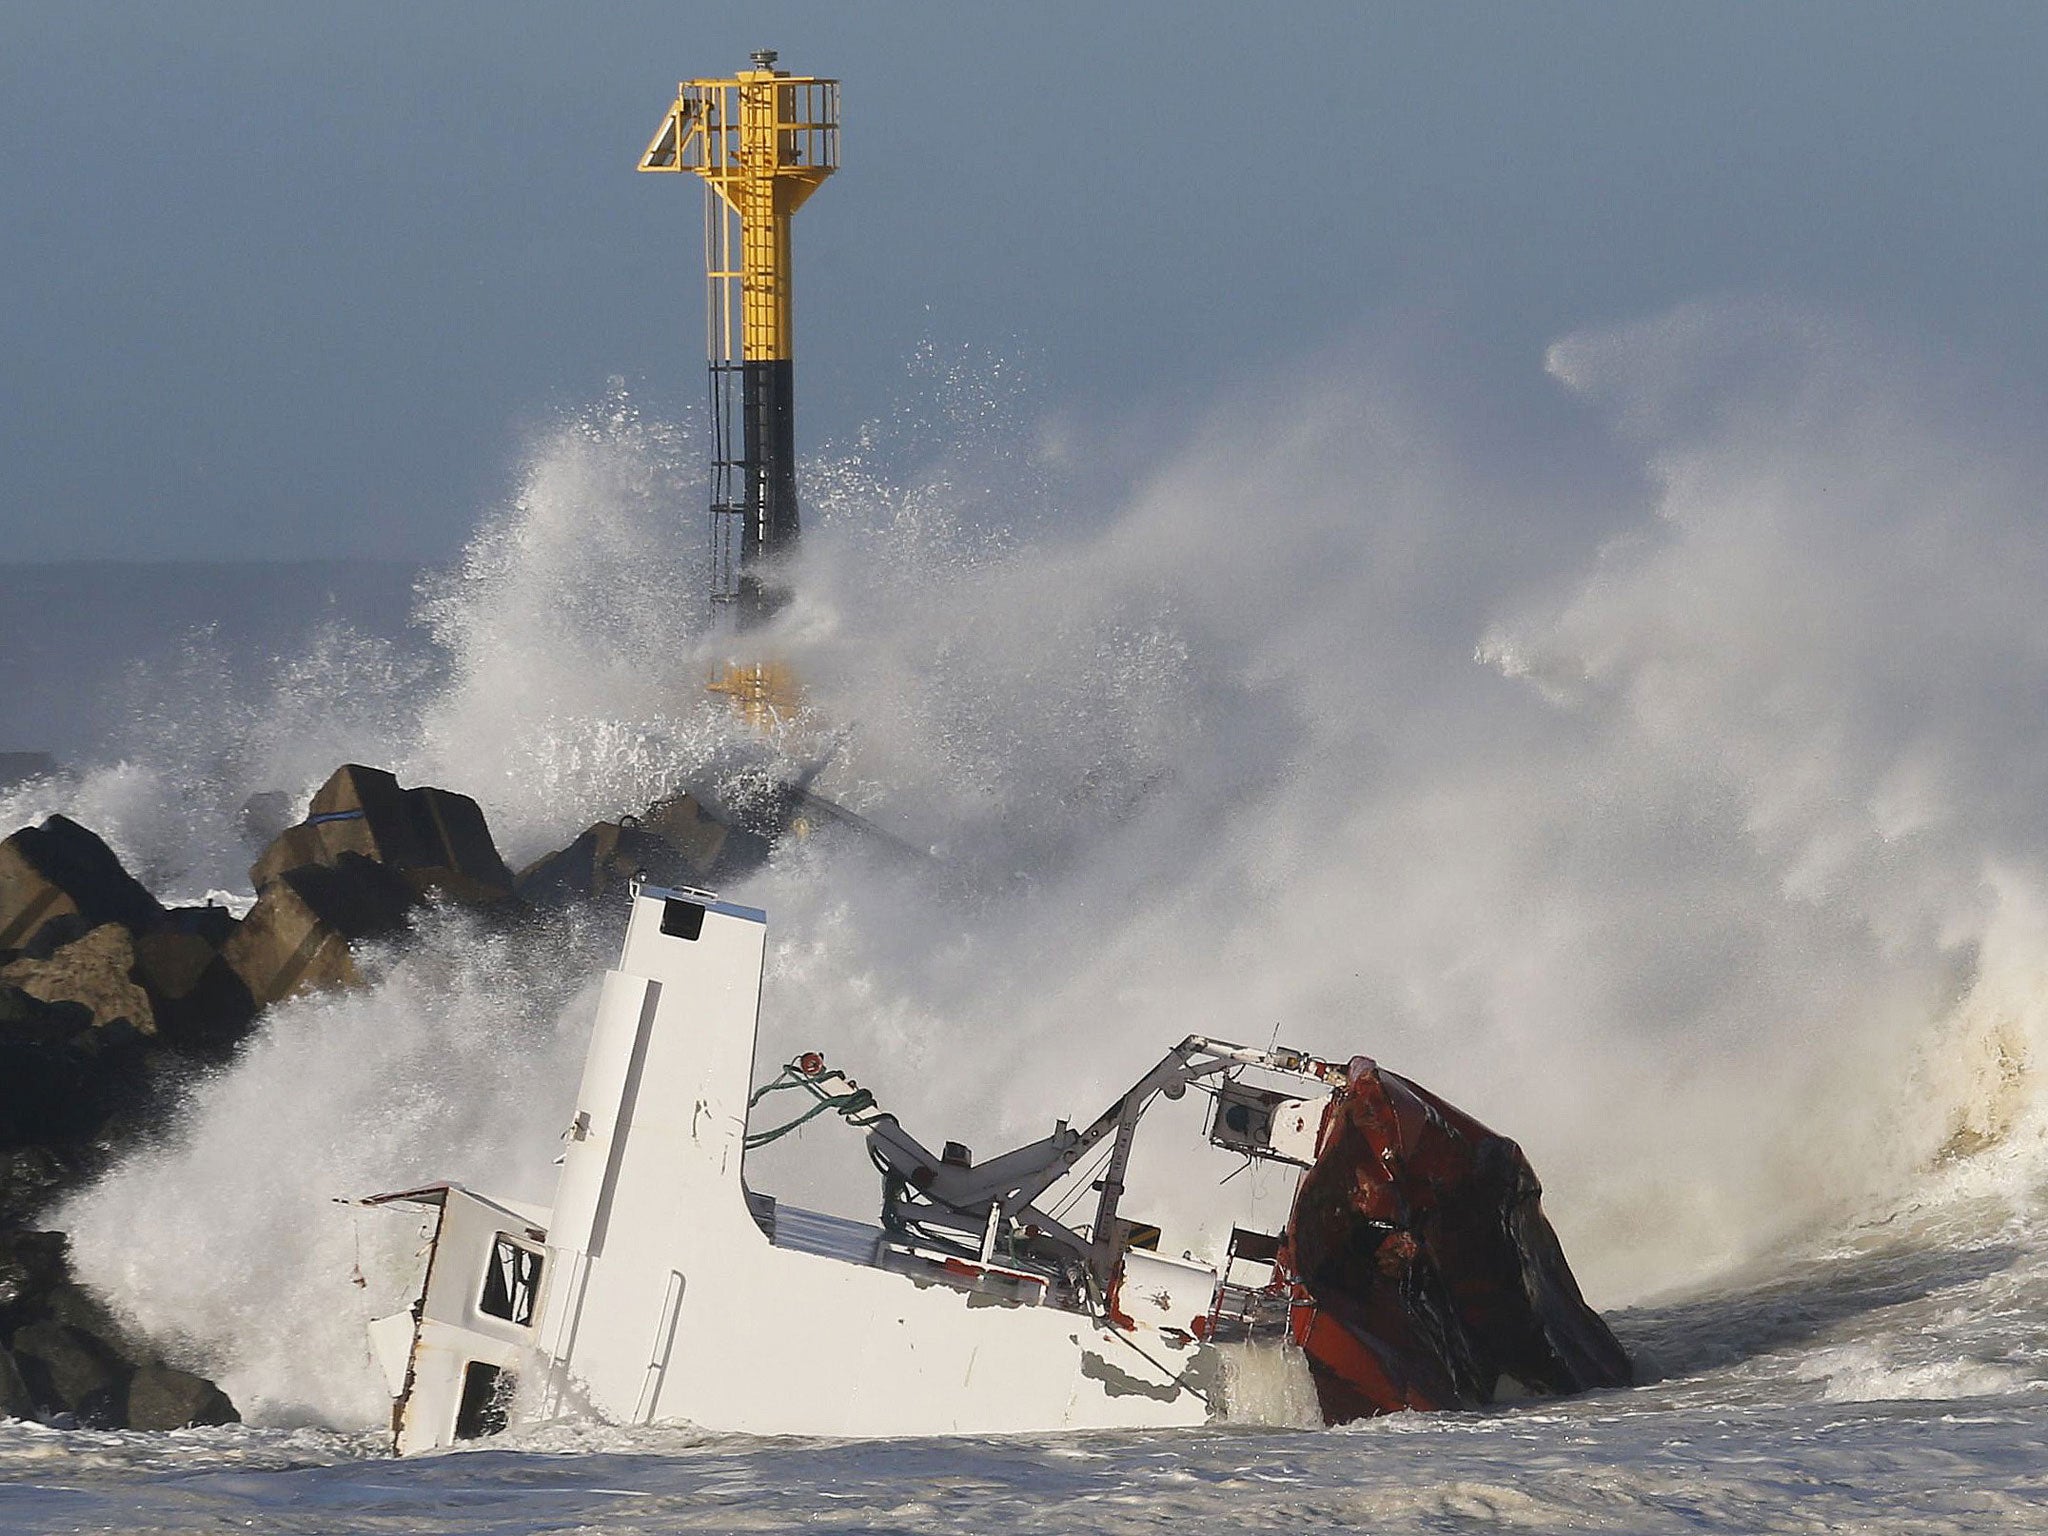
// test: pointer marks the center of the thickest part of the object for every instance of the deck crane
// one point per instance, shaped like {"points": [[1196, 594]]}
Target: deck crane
{"points": [[762, 141]]}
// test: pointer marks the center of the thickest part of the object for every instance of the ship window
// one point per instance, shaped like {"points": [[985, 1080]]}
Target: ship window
{"points": [[486, 1396], [511, 1282], [681, 919]]}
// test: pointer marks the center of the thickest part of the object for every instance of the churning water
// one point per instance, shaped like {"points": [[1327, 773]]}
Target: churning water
{"points": [[1668, 787]]}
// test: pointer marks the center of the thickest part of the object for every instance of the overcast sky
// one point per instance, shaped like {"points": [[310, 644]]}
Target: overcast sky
{"points": [[294, 280]]}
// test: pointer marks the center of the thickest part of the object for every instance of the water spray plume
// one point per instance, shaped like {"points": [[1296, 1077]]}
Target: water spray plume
{"points": [[1700, 841]]}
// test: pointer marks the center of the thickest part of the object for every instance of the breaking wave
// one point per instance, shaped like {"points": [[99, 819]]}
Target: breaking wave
{"points": [[1668, 793]]}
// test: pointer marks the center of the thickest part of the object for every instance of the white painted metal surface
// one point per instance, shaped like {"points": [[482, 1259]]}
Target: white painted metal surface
{"points": [[1165, 1296], [455, 1338], [668, 1301], [660, 1297]]}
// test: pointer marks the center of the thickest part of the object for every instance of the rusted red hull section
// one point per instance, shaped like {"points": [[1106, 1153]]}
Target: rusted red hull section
{"points": [[1425, 1272]]}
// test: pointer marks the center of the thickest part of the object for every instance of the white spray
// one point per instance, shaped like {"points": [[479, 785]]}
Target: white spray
{"points": [[1692, 834]]}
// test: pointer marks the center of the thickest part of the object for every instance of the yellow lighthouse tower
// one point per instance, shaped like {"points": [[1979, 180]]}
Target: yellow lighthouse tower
{"points": [[763, 141]]}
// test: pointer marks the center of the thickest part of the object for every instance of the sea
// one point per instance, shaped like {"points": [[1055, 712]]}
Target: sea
{"points": [[1660, 774]]}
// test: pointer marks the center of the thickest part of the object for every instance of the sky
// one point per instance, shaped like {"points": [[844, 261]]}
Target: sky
{"points": [[288, 282]]}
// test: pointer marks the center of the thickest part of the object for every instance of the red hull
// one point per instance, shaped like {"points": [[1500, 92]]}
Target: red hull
{"points": [[1425, 1270]]}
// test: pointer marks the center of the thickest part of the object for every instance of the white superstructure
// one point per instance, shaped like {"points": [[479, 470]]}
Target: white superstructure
{"points": [[658, 1290]]}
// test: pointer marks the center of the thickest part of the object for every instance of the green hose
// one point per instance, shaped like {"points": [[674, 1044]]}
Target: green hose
{"points": [[853, 1106]]}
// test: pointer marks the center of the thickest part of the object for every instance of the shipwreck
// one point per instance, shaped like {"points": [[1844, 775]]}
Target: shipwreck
{"points": [[1416, 1270]]}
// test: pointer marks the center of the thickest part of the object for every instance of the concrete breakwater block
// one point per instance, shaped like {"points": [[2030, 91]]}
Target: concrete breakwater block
{"points": [[106, 1000], [202, 1006], [105, 995], [299, 935], [677, 842], [79, 928], [368, 851], [72, 1093], [436, 839], [602, 859], [59, 880]]}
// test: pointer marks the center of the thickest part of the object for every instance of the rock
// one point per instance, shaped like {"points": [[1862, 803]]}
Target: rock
{"points": [[68, 1370], [70, 1356], [31, 1264], [30, 1178], [62, 1080], [21, 1013], [59, 880], [16, 1401], [297, 936], [435, 839], [78, 1075], [96, 971], [36, 1287], [161, 1397]]}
